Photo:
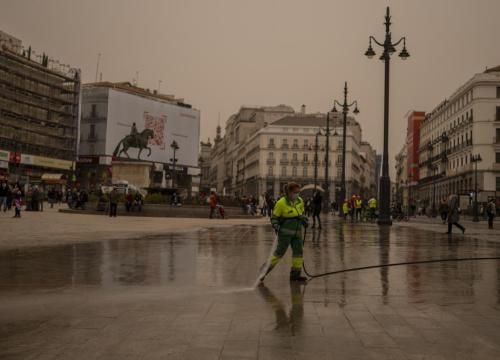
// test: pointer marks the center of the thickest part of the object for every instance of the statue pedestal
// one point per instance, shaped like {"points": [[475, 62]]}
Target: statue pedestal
{"points": [[137, 173]]}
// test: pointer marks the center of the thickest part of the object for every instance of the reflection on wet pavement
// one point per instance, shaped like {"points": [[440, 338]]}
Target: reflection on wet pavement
{"points": [[189, 296]]}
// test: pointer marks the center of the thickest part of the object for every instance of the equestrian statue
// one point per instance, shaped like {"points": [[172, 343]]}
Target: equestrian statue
{"points": [[135, 139]]}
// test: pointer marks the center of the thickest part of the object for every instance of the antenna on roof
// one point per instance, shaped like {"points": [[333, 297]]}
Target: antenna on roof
{"points": [[135, 81], [97, 67]]}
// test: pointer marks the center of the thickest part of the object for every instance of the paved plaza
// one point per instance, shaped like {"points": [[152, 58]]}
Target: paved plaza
{"points": [[191, 295]]}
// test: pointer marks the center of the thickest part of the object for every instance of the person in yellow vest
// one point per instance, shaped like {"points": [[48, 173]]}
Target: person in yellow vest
{"points": [[345, 208], [358, 203], [372, 208], [288, 220]]}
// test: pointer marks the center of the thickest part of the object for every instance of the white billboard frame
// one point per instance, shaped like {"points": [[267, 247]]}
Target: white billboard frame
{"points": [[160, 123]]}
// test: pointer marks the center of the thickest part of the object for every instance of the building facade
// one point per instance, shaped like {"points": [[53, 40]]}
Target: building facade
{"points": [[205, 152], [39, 111], [414, 121], [401, 196], [464, 125], [125, 128], [283, 148]]}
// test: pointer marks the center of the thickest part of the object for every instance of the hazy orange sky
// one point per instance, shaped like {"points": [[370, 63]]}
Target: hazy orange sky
{"points": [[221, 54]]}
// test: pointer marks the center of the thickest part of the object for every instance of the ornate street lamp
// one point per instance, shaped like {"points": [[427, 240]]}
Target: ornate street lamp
{"points": [[174, 147], [345, 110], [389, 48], [475, 159], [316, 145]]}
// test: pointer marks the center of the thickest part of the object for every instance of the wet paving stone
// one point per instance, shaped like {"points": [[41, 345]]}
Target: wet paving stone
{"points": [[191, 296]]}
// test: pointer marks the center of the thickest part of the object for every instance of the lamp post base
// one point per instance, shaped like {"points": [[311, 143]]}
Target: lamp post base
{"points": [[384, 217]]}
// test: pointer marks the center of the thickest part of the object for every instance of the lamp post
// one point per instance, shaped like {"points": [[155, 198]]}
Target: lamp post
{"points": [[475, 159], [345, 110], [316, 145], [327, 164], [389, 48], [175, 147], [433, 168]]}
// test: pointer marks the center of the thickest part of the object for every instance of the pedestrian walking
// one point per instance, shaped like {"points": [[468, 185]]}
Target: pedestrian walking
{"points": [[358, 204], [113, 202], [51, 196], [4, 194], [454, 214], [443, 210], [491, 211], [352, 207], [372, 208], [316, 208], [129, 199], [262, 205], [212, 203], [333, 207], [17, 204], [287, 221], [270, 205], [138, 201], [345, 209]]}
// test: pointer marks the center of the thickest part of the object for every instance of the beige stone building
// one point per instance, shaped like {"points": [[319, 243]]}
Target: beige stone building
{"points": [[265, 147], [401, 183], [465, 124]]}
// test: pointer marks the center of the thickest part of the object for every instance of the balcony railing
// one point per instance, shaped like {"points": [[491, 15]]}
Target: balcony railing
{"points": [[271, 161], [284, 162], [295, 162]]}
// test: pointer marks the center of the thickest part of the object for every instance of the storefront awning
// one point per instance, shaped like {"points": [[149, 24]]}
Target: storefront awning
{"points": [[54, 178]]}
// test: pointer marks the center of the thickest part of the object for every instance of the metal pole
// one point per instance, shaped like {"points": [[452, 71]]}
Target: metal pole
{"points": [[385, 181], [327, 160], [344, 140], [316, 161], [475, 209], [173, 171]]}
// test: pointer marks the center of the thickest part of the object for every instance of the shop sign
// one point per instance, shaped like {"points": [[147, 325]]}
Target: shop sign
{"points": [[4, 155], [46, 162]]}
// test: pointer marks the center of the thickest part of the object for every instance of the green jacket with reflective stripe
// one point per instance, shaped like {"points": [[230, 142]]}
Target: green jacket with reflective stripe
{"points": [[288, 214]]}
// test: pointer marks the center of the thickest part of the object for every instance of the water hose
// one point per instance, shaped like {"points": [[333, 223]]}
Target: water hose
{"points": [[430, 261]]}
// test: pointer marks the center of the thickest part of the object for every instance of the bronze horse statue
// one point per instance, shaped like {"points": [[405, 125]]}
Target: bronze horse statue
{"points": [[139, 141]]}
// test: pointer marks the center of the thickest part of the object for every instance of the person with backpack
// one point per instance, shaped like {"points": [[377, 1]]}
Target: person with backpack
{"points": [[491, 211], [316, 208], [453, 214], [212, 203]]}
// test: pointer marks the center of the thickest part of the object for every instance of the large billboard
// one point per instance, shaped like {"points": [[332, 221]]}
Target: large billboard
{"points": [[144, 129]]}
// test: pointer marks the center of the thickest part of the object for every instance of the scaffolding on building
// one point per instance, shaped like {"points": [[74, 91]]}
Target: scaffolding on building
{"points": [[39, 104]]}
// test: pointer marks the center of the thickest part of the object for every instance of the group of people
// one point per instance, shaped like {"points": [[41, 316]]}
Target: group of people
{"points": [[132, 200], [359, 209], [75, 198], [11, 195]]}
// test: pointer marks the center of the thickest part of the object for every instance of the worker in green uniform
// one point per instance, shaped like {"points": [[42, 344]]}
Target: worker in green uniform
{"points": [[288, 221]]}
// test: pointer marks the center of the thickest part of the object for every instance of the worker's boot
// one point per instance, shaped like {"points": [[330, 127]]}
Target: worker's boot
{"points": [[296, 276]]}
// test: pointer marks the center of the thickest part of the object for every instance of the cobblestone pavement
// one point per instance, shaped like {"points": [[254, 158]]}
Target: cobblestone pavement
{"points": [[191, 296]]}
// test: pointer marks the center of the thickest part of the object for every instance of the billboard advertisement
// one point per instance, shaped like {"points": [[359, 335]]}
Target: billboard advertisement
{"points": [[143, 129]]}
